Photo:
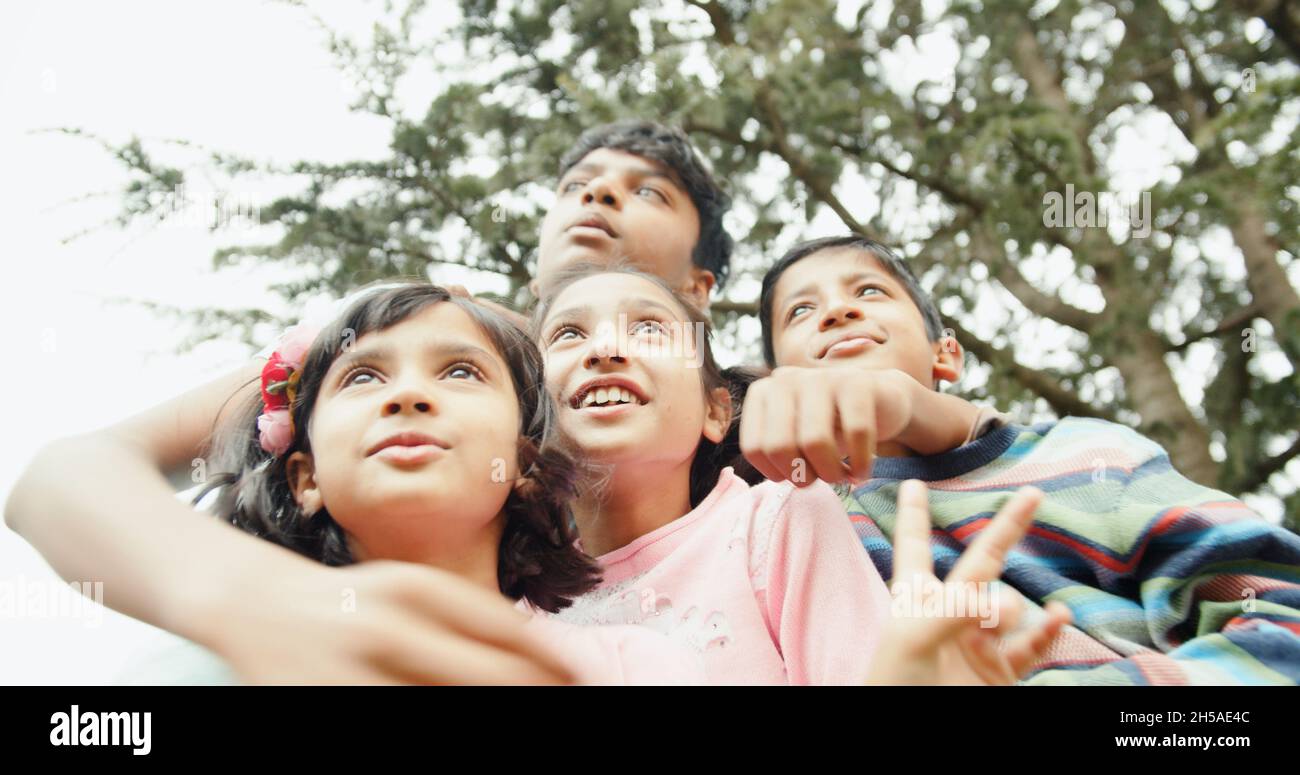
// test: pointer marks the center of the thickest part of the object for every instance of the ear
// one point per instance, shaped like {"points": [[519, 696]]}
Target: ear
{"points": [[718, 415], [533, 288], [300, 470], [698, 287], [948, 359]]}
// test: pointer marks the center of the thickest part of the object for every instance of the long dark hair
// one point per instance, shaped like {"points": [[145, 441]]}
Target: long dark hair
{"points": [[710, 458], [538, 559]]}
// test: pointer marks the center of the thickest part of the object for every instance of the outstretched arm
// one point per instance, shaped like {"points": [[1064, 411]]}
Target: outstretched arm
{"points": [[99, 508]]}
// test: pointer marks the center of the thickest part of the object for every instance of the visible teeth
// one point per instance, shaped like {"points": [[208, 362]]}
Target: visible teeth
{"points": [[604, 396]]}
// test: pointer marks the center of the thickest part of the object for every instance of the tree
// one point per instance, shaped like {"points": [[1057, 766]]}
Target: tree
{"points": [[981, 175]]}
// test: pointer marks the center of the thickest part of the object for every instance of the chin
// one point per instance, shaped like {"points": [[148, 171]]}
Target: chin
{"points": [[575, 253], [608, 449]]}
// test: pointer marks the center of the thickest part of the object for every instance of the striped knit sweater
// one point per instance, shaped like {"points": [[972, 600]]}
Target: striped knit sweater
{"points": [[1169, 582]]}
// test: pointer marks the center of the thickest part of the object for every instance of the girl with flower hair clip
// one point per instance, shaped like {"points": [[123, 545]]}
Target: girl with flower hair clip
{"points": [[412, 433]]}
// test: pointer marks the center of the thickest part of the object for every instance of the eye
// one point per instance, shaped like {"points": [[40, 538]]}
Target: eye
{"points": [[570, 185], [464, 370], [878, 290], [562, 334], [650, 326], [797, 309], [648, 192], [360, 371]]}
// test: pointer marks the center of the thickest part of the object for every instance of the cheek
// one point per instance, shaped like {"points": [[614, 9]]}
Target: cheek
{"points": [[789, 349], [555, 369], [336, 478], [332, 442], [500, 436], [685, 405]]}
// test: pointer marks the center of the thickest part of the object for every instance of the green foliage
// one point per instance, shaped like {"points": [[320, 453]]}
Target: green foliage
{"points": [[1040, 96]]}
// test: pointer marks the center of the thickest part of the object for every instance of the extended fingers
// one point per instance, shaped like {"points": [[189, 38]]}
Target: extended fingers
{"points": [[1023, 650], [912, 533], [984, 559]]}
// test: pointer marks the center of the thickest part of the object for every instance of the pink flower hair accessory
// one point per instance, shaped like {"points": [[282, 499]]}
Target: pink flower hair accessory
{"points": [[280, 378]]}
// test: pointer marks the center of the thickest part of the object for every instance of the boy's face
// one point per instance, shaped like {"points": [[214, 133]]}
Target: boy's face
{"points": [[841, 307], [437, 374], [615, 205]]}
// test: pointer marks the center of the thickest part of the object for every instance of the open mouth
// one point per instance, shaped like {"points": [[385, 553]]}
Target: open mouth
{"points": [[597, 395]]}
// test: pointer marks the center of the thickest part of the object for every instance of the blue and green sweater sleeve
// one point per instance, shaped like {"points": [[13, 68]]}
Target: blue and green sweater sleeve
{"points": [[1169, 582]]}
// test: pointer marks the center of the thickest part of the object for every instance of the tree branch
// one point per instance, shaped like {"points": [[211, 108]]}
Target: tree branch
{"points": [[1045, 85], [1063, 401], [1045, 305], [1233, 321], [780, 145], [1267, 468]]}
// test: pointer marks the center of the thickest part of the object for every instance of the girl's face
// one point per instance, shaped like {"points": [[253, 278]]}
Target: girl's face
{"points": [[622, 364], [417, 420]]}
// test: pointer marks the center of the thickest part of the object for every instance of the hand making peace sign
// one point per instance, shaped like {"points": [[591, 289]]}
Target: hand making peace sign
{"points": [[920, 647]]}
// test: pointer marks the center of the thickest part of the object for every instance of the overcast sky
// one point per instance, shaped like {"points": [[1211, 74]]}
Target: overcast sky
{"points": [[246, 76]]}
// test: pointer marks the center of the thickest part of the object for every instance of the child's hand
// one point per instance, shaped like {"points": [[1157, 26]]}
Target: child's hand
{"points": [[378, 622], [799, 424], [920, 647]]}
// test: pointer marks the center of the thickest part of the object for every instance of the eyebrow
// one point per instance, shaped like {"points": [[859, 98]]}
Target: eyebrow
{"points": [[444, 348], [847, 279], [584, 310], [636, 172]]}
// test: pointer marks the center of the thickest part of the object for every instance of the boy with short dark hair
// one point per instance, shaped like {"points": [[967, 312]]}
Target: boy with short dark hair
{"points": [[1169, 581], [637, 190]]}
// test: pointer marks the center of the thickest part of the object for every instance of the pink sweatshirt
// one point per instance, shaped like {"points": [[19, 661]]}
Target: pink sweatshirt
{"points": [[617, 655], [768, 584]]}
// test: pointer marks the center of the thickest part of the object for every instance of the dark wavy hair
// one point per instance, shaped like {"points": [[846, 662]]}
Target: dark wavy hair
{"points": [[671, 148], [710, 458], [538, 559]]}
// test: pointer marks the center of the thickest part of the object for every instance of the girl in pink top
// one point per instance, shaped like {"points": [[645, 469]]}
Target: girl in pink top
{"points": [[766, 582], [410, 429]]}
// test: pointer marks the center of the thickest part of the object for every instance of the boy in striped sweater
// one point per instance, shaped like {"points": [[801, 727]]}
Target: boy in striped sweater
{"points": [[1169, 582]]}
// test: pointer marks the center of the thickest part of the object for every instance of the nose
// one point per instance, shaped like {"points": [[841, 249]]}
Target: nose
{"points": [[600, 191], [605, 346], [408, 398], [839, 313]]}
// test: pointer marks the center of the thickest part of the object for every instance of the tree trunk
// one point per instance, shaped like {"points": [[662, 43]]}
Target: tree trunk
{"points": [[1267, 280], [1153, 392]]}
